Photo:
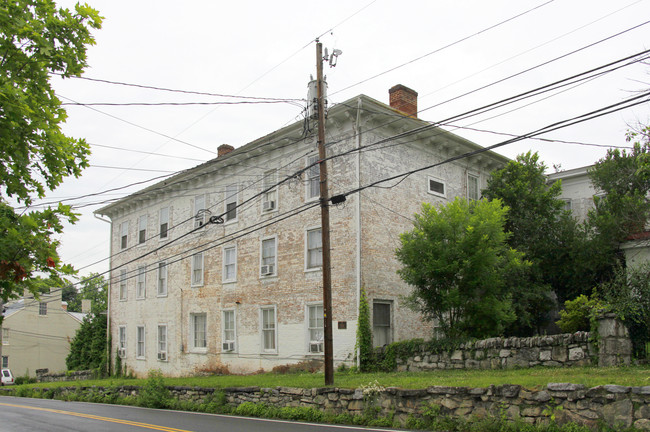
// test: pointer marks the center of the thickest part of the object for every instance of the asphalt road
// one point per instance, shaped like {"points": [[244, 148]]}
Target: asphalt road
{"points": [[31, 415]]}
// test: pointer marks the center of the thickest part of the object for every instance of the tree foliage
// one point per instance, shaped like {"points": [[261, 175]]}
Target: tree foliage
{"points": [[458, 261], [364, 334], [36, 40]]}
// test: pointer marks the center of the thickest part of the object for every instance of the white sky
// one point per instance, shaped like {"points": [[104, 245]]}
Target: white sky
{"points": [[263, 49]]}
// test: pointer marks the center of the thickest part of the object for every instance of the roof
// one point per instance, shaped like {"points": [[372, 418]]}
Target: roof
{"points": [[290, 135], [16, 306]]}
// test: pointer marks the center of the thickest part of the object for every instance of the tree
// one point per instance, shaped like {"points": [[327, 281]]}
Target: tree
{"points": [[457, 259], [36, 40]]}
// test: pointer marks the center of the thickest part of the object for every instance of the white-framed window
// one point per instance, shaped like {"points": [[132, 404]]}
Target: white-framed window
{"points": [[164, 223], [473, 189], [124, 235], [270, 198], [197, 269], [140, 342], [162, 279], [437, 187], [382, 333], [5, 336], [269, 329], [5, 362], [199, 210], [121, 342], [162, 342], [230, 264], [123, 286], [198, 329], [141, 280], [229, 331], [142, 229], [42, 308], [315, 327], [568, 204], [313, 178], [231, 202], [313, 249], [268, 255]]}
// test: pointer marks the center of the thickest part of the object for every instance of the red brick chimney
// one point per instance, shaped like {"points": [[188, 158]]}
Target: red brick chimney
{"points": [[404, 99], [224, 149]]}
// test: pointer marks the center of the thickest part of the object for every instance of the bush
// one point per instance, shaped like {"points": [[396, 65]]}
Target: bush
{"points": [[579, 314], [154, 394]]}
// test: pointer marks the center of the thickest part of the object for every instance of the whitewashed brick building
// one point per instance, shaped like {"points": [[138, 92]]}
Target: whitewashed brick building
{"points": [[246, 294]]}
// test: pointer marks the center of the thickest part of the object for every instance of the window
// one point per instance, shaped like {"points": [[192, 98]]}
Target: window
{"points": [[5, 362], [42, 308], [123, 292], [142, 229], [162, 279], [124, 234], [268, 264], [229, 264], [231, 202], [122, 342], [228, 330], [197, 269], [164, 223], [269, 200], [198, 324], [568, 205], [5, 336], [140, 282], [381, 329], [314, 258], [269, 335], [162, 342], [139, 347], [473, 193], [199, 210], [313, 178], [316, 329], [436, 187]]}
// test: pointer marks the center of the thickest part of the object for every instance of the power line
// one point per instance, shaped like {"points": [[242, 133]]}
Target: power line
{"points": [[126, 104]]}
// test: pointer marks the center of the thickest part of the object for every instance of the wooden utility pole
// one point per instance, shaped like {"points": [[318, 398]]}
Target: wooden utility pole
{"points": [[325, 221]]}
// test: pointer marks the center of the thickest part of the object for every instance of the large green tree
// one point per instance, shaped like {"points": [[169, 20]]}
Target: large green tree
{"points": [[36, 40], [457, 260]]}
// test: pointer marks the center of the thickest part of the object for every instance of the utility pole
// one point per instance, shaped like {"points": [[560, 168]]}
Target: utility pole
{"points": [[325, 221]]}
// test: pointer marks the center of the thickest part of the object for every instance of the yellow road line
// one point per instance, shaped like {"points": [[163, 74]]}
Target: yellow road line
{"points": [[94, 417]]}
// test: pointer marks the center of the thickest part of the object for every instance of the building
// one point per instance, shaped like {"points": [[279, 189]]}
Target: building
{"points": [[220, 266], [36, 333], [577, 190]]}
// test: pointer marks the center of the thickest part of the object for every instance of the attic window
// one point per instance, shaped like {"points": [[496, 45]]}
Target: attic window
{"points": [[42, 308], [436, 187]]}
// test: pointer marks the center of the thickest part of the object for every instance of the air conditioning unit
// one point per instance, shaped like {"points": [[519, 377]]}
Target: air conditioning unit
{"points": [[228, 346], [268, 205], [268, 270], [162, 356], [316, 347], [121, 352]]}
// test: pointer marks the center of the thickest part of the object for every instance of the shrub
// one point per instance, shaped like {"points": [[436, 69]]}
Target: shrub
{"points": [[154, 394], [579, 314]]}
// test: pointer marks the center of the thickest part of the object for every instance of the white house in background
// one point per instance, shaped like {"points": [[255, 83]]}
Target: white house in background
{"points": [[246, 294]]}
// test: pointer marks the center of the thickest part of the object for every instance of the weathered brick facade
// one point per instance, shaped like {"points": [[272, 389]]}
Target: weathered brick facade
{"points": [[275, 309]]}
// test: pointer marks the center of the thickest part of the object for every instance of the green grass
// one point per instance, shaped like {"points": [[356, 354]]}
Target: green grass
{"points": [[534, 378]]}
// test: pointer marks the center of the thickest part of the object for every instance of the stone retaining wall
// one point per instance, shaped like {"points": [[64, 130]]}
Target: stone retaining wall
{"points": [[616, 406], [67, 376]]}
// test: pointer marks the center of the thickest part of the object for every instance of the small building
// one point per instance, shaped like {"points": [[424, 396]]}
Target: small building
{"points": [[36, 333], [219, 267]]}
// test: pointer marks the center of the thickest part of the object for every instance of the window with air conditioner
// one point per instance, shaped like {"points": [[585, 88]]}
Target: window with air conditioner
{"points": [[231, 202], [140, 287], [229, 334], [162, 279], [199, 210], [162, 342], [313, 178], [121, 345], [140, 342], [142, 229], [123, 286], [230, 264], [164, 223], [269, 329], [315, 328], [268, 257], [124, 235], [314, 249], [437, 187], [269, 198], [197, 269]]}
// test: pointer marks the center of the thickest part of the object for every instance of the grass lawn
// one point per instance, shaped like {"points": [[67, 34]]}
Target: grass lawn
{"points": [[534, 378]]}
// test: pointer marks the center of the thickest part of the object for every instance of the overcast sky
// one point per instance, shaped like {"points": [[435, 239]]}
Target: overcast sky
{"points": [[266, 49]]}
